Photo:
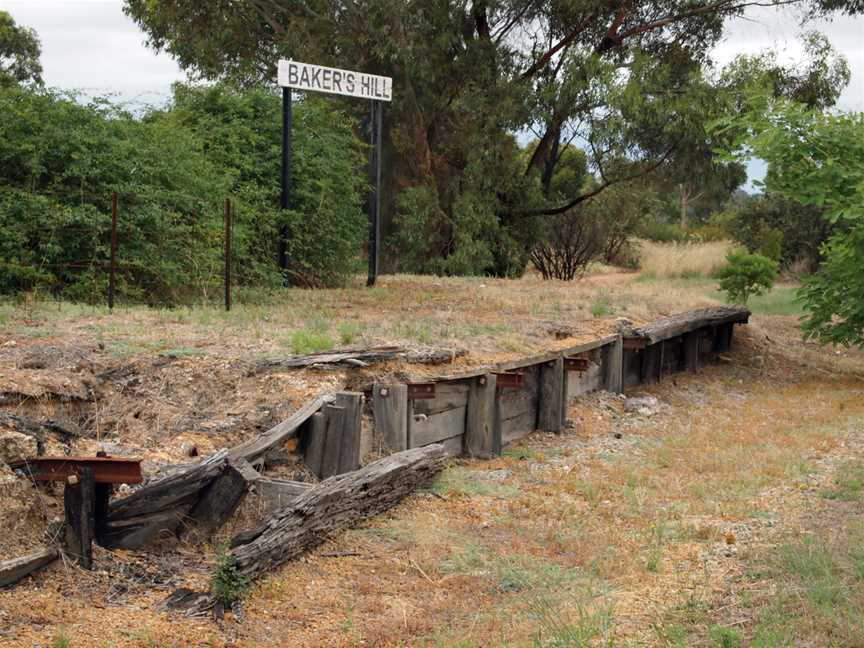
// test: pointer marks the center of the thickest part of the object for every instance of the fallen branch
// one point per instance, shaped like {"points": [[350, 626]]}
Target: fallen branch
{"points": [[11, 571]]}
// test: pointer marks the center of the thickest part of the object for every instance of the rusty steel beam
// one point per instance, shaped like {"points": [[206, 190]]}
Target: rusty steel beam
{"points": [[417, 391], [636, 343], [576, 364], [106, 470], [509, 381]]}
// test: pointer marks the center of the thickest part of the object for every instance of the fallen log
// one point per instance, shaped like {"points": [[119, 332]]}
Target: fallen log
{"points": [[325, 509], [687, 321], [362, 358], [11, 571]]}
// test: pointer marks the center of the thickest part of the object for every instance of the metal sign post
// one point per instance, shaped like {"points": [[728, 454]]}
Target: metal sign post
{"points": [[316, 78]]}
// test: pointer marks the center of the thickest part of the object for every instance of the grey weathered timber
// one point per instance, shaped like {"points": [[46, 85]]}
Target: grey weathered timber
{"points": [[583, 382], [363, 358], [691, 349], [651, 358], [219, 499], [334, 417], [80, 524], [159, 507], [11, 571], [316, 431], [480, 427], [517, 408], [327, 508], [551, 396], [349, 451], [681, 323], [334, 505], [254, 449], [390, 411], [613, 366], [424, 429], [278, 493]]}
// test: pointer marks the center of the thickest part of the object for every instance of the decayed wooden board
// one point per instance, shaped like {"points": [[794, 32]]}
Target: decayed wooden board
{"points": [[480, 424], [349, 443], [583, 382], [613, 366], [448, 395], [423, 429], [390, 411], [256, 448], [11, 571], [518, 427], [362, 358], [220, 498], [551, 396], [334, 418], [690, 321], [278, 493], [316, 430], [518, 402]]}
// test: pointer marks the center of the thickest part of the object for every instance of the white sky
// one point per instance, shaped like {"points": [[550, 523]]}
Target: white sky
{"points": [[91, 45]]}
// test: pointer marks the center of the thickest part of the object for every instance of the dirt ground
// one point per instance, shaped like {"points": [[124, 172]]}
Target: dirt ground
{"points": [[599, 536]]}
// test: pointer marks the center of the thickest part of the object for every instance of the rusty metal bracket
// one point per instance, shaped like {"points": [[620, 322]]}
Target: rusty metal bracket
{"points": [[577, 364], [635, 343], [106, 470], [418, 391], [509, 381]]}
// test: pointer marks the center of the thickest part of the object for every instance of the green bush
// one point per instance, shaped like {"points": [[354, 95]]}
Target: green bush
{"points": [[663, 232], [746, 275], [228, 585]]}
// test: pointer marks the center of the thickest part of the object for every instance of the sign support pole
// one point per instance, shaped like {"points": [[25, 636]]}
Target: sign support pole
{"points": [[286, 173], [375, 199]]}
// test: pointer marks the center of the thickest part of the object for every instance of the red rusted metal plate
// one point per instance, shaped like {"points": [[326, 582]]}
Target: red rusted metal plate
{"points": [[417, 391], [576, 364], [106, 470], [635, 343], [509, 380]]}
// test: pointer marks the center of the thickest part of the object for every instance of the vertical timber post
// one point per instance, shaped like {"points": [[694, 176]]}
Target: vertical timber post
{"points": [[112, 268], [613, 361], [79, 498], [480, 423], [691, 350], [390, 411], [549, 416], [349, 442], [228, 215], [375, 200], [286, 174]]}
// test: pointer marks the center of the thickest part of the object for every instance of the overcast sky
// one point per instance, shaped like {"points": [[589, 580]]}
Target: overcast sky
{"points": [[92, 46]]}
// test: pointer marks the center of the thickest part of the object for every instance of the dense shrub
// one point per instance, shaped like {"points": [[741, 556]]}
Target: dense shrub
{"points": [[746, 275], [61, 159]]}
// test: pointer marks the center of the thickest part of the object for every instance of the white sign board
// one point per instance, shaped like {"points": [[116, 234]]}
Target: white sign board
{"points": [[315, 78]]}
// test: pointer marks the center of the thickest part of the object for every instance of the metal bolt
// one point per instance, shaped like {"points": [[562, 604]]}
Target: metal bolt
{"points": [[383, 391], [72, 480]]}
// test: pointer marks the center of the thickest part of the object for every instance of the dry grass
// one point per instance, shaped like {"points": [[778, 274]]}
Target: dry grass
{"points": [[575, 540], [669, 260]]}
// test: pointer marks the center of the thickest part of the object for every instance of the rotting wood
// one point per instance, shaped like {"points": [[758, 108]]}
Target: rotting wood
{"points": [[220, 498], [691, 350], [480, 427], [613, 366], [390, 411], [363, 358], [159, 507], [687, 321], [316, 432], [13, 570], [349, 444], [327, 508], [278, 493], [79, 497], [334, 417], [426, 429], [551, 396], [256, 448]]}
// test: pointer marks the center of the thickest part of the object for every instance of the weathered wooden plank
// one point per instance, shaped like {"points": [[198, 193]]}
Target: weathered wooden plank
{"points": [[362, 358], [551, 395], [255, 449], [278, 493], [390, 411], [423, 429], [480, 427], [613, 366], [517, 402], [584, 382], [691, 350], [316, 432], [650, 364], [518, 427], [13, 570], [448, 395], [79, 498], [220, 498], [349, 452], [681, 323], [334, 417]]}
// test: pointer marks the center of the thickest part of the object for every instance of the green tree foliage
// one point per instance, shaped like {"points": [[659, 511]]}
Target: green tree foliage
{"points": [[60, 161], [745, 275], [19, 53], [466, 75], [817, 160]]}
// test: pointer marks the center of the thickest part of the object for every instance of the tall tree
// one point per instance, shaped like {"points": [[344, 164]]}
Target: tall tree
{"points": [[19, 53]]}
